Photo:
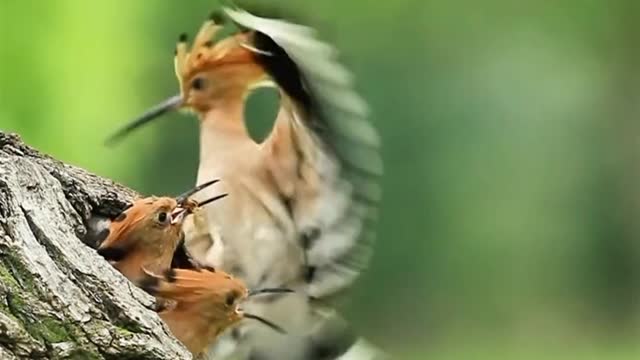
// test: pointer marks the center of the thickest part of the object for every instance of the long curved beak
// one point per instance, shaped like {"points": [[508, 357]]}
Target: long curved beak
{"points": [[211, 199], [269, 291], [170, 104], [265, 322], [184, 196], [181, 211], [185, 208]]}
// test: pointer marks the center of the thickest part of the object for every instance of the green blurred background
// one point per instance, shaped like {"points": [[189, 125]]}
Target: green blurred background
{"points": [[511, 140]]}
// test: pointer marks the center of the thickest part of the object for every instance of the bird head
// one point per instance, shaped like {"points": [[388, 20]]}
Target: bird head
{"points": [[206, 302], [211, 74], [148, 232]]}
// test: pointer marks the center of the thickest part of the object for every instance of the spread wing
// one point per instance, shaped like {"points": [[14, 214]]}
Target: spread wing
{"points": [[337, 159]]}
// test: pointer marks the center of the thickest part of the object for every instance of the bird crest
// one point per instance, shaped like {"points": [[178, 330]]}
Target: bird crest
{"points": [[205, 53], [206, 302]]}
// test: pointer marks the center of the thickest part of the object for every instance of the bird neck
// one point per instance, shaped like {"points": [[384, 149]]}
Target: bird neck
{"points": [[195, 332], [154, 261], [223, 133]]}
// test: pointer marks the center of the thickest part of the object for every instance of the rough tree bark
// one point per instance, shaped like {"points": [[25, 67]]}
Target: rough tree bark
{"points": [[58, 298]]}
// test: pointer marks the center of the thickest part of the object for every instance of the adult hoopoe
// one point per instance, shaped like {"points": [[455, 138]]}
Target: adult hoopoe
{"points": [[303, 201]]}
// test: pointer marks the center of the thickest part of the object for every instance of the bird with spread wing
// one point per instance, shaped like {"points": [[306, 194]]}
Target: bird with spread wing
{"points": [[302, 203]]}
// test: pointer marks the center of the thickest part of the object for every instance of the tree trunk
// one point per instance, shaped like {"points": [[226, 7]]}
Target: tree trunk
{"points": [[58, 298]]}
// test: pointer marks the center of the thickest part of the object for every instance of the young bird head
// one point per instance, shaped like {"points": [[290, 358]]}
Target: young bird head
{"points": [[210, 74], [205, 303], [147, 233]]}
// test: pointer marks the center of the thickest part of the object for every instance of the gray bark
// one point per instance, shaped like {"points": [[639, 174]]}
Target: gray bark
{"points": [[58, 298]]}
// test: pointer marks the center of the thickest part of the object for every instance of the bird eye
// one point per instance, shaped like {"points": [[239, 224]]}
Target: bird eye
{"points": [[231, 298], [198, 83], [162, 217]]}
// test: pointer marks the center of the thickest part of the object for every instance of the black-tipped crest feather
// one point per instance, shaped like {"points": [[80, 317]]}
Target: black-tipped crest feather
{"points": [[149, 284], [112, 253]]}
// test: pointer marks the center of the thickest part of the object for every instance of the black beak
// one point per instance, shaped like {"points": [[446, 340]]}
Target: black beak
{"points": [[212, 199], [184, 196], [265, 322], [269, 291], [183, 209], [171, 104]]}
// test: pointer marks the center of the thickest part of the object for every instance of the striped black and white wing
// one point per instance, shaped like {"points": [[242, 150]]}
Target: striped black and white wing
{"points": [[336, 144]]}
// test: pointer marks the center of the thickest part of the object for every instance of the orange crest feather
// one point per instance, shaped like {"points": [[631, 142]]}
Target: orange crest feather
{"points": [[205, 53]]}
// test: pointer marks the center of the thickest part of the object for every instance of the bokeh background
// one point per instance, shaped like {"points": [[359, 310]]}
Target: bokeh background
{"points": [[511, 220]]}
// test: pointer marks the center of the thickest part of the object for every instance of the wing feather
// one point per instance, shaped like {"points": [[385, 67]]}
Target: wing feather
{"points": [[345, 153]]}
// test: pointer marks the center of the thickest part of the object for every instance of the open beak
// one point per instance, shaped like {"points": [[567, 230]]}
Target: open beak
{"points": [[269, 291], [263, 321], [177, 215], [181, 211], [171, 104], [186, 207], [212, 199], [184, 196]]}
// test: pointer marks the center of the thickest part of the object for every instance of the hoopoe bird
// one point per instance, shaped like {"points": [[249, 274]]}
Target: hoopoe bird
{"points": [[206, 303], [148, 233], [196, 303], [303, 202]]}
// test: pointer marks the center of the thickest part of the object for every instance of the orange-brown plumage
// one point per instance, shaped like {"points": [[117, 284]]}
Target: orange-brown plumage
{"points": [[206, 303], [305, 198], [147, 233], [197, 305], [234, 68], [143, 236]]}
